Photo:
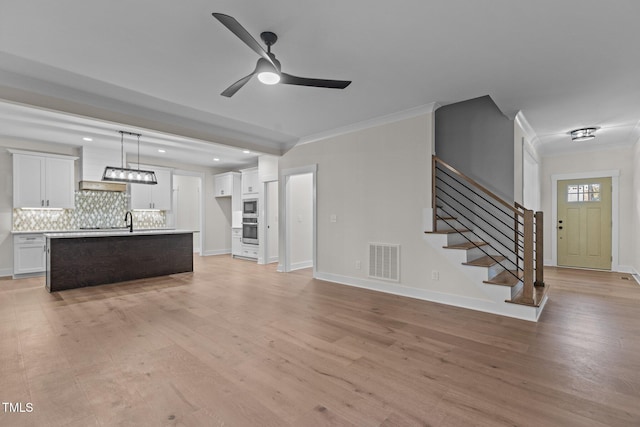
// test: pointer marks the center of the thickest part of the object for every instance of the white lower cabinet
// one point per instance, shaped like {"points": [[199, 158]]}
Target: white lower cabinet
{"points": [[29, 254], [236, 241], [249, 251]]}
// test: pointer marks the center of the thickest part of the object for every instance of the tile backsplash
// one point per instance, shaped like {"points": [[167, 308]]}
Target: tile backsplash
{"points": [[101, 209]]}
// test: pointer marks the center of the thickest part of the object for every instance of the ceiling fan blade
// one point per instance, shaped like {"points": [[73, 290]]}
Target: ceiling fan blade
{"points": [[237, 29], [288, 79], [231, 90]]}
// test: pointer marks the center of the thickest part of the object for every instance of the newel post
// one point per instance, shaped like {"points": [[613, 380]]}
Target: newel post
{"points": [[527, 292]]}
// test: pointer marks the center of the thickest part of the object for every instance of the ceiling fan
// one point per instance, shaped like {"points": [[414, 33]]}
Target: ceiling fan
{"points": [[268, 67]]}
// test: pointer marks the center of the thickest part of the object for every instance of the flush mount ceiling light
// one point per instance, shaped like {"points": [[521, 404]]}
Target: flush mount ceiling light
{"points": [[86, 138], [122, 174], [584, 134]]}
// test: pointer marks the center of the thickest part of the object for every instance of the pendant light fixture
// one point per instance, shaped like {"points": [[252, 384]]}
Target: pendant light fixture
{"points": [[132, 176]]}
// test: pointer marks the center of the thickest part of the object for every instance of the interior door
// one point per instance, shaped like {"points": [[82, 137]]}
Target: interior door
{"points": [[584, 223]]}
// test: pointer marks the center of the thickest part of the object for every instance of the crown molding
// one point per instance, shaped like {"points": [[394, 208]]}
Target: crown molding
{"points": [[531, 138], [376, 121]]}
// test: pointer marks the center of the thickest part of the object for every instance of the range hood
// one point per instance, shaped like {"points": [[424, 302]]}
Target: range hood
{"points": [[93, 160], [102, 186]]}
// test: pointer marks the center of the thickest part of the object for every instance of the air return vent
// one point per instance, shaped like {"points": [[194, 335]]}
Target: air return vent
{"points": [[384, 261]]}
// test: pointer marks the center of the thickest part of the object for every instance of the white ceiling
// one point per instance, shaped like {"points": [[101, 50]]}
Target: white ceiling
{"points": [[162, 65]]}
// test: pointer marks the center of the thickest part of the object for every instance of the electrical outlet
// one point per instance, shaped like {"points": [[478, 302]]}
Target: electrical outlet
{"points": [[435, 275], [358, 265], [333, 218]]}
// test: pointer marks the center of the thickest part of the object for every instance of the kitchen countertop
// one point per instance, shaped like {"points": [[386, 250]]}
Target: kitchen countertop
{"points": [[109, 233]]}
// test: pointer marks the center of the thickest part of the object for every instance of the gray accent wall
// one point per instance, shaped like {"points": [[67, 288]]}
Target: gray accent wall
{"points": [[477, 139]]}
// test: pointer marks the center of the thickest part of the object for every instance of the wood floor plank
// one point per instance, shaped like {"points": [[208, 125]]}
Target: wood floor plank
{"points": [[235, 343]]}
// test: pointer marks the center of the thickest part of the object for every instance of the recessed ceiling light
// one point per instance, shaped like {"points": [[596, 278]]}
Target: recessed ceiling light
{"points": [[86, 138], [160, 150], [246, 151], [215, 159]]}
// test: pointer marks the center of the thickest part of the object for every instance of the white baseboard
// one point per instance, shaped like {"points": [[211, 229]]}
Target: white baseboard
{"points": [[503, 309], [215, 252], [301, 265], [4, 272]]}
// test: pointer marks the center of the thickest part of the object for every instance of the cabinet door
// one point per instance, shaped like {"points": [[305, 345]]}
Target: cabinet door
{"points": [[59, 185], [161, 192], [28, 181], [236, 241], [29, 254], [224, 185], [250, 182], [140, 196]]}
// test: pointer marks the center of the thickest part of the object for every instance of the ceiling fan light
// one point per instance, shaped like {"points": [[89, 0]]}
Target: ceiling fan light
{"points": [[269, 77]]}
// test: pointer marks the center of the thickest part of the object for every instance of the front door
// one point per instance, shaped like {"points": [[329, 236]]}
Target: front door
{"points": [[584, 223]]}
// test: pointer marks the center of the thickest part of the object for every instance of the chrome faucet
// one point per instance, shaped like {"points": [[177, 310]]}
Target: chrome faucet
{"points": [[129, 223]]}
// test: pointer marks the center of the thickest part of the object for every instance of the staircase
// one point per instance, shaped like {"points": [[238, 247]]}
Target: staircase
{"points": [[497, 244]]}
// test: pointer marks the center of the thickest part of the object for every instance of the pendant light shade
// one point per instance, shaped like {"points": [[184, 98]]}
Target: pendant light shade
{"points": [[132, 176]]}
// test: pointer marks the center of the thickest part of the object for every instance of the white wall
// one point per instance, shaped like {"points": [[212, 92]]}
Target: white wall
{"points": [[635, 213], [186, 191], [301, 220], [617, 159], [377, 182]]}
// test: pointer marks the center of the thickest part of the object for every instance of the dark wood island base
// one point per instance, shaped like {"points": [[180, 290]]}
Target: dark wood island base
{"points": [[88, 259]]}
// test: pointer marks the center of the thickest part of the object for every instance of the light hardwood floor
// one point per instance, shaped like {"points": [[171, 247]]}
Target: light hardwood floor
{"points": [[237, 344]]}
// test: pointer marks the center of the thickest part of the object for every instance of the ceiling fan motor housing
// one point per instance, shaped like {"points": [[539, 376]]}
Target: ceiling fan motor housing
{"points": [[269, 38]]}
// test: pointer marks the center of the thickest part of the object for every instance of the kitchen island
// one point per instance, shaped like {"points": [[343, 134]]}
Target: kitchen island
{"points": [[76, 260]]}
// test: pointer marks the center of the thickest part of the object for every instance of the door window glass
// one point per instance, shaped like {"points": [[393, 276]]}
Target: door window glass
{"points": [[583, 193]]}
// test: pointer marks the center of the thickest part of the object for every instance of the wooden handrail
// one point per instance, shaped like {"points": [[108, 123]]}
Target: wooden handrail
{"points": [[475, 184]]}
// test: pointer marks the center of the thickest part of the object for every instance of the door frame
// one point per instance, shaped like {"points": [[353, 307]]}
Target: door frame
{"points": [[284, 202], [615, 211]]}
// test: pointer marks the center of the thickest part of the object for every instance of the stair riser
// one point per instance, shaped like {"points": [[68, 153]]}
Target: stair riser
{"points": [[516, 289], [494, 270], [449, 224], [475, 253], [457, 238]]}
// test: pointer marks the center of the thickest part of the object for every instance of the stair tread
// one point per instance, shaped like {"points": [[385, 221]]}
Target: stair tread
{"points": [[504, 278], [539, 293], [485, 261], [450, 231], [447, 218], [466, 245]]}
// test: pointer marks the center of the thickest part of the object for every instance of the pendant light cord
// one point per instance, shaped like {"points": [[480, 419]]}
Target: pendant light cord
{"points": [[138, 152]]}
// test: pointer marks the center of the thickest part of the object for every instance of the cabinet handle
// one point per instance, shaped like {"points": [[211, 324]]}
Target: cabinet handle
{"points": [[41, 202], [47, 202]]}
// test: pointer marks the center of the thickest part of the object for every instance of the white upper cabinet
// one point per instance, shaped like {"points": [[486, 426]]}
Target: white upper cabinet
{"points": [[227, 184], [158, 196], [43, 181], [250, 181]]}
